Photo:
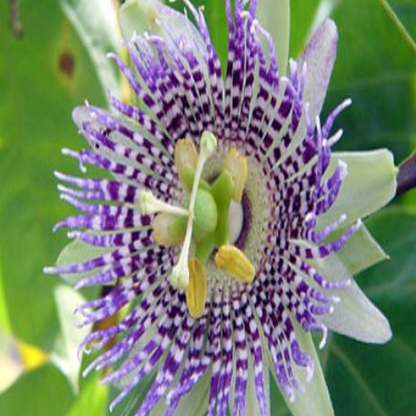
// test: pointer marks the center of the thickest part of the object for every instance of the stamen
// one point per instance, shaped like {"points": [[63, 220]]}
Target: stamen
{"points": [[180, 273], [234, 262], [238, 168], [196, 294], [186, 159], [149, 204]]}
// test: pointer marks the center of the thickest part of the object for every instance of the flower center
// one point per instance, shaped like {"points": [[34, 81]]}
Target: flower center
{"points": [[211, 218]]}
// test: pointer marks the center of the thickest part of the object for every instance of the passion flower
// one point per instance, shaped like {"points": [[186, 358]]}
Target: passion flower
{"points": [[220, 232]]}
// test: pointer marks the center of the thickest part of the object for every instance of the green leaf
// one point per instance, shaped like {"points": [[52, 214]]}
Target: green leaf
{"points": [[358, 375], [399, 15], [97, 25], [92, 400], [304, 17], [4, 316], [43, 76], [376, 68], [41, 392]]}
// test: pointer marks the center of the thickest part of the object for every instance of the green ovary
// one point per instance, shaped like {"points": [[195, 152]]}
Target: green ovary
{"points": [[204, 217], [210, 223]]}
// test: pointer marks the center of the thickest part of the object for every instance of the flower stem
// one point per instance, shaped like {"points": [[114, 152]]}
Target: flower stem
{"points": [[406, 179]]}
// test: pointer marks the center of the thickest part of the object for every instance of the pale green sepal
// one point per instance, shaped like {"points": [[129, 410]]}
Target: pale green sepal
{"points": [[315, 400], [96, 22], [77, 252], [193, 404], [274, 16], [133, 401], [369, 185], [140, 17], [196, 402], [153, 17], [121, 383], [252, 405], [355, 315], [361, 251], [65, 352]]}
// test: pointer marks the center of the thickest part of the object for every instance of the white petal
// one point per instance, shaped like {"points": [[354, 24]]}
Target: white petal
{"points": [[274, 16], [361, 251], [319, 56], [315, 400], [370, 184], [355, 316]]}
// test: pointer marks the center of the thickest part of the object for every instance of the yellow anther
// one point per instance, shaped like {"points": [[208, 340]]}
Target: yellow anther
{"points": [[186, 159], [196, 294], [238, 167], [234, 262], [168, 229]]}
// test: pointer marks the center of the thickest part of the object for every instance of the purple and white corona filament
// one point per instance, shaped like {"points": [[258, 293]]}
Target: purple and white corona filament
{"points": [[212, 230]]}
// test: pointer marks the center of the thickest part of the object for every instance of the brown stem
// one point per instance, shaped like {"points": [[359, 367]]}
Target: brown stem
{"points": [[406, 179], [15, 24]]}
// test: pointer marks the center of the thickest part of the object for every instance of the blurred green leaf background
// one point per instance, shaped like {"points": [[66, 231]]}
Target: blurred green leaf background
{"points": [[52, 57]]}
